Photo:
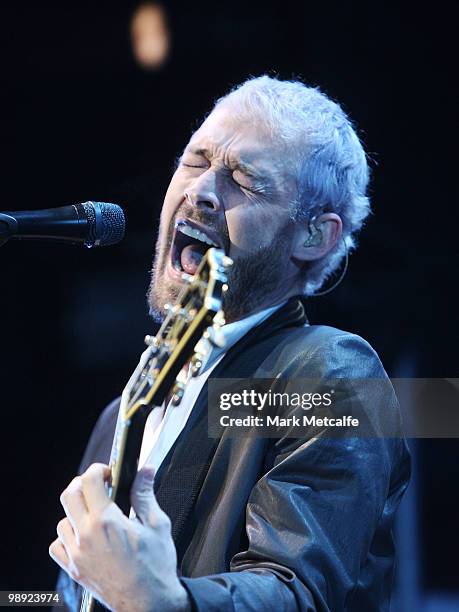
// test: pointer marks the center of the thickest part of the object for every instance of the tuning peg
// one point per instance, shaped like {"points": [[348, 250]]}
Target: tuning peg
{"points": [[196, 364], [150, 340], [203, 346], [177, 393], [219, 318], [215, 336]]}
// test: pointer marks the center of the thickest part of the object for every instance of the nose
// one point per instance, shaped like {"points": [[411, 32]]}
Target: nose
{"points": [[203, 193]]}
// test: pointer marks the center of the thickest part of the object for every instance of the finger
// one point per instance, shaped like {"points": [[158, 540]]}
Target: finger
{"points": [[58, 553], [93, 486], [66, 535], [143, 499], [73, 502]]}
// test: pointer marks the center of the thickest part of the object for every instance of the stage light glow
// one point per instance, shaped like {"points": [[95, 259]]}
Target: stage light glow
{"points": [[150, 35]]}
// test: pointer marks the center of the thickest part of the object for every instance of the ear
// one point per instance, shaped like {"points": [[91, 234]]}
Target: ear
{"points": [[329, 230]]}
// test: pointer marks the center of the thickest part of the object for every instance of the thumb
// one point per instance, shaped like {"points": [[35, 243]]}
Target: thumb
{"points": [[142, 497]]}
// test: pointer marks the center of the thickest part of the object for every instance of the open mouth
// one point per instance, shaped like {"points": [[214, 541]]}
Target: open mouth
{"points": [[189, 245]]}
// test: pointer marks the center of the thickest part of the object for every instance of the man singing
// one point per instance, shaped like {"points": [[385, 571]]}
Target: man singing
{"points": [[276, 176]]}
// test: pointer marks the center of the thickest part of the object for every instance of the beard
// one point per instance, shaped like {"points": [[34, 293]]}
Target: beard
{"points": [[250, 279]]}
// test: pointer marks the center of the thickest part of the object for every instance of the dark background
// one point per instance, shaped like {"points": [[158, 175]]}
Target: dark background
{"points": [[86, 122]]}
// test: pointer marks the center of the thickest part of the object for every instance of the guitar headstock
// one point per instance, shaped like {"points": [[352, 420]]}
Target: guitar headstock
{"points": [[190, 328]]}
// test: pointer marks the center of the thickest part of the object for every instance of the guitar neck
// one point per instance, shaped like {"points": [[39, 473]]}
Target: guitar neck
{"points": [[125, 456], [176, 342]]}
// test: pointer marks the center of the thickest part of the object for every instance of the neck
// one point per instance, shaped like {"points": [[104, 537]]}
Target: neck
{"points": [[269, 301]]}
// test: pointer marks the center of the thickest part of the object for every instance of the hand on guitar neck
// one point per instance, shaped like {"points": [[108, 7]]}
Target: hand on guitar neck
{"points": [[127, 564]]}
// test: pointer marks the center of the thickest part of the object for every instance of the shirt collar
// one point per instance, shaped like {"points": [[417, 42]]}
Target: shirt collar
{"points": [[233, 332]]}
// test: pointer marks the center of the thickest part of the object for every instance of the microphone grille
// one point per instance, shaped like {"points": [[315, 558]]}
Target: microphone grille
{"points": [[106, 223]]}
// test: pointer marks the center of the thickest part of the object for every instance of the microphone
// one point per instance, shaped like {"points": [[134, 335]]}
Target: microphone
{"points": [[90, 224]]}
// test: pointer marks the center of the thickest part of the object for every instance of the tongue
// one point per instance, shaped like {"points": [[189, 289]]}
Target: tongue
{"points": [[190, 258]]}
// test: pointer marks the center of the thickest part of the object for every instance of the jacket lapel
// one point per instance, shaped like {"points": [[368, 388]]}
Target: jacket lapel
{"points": [[180, 477]]}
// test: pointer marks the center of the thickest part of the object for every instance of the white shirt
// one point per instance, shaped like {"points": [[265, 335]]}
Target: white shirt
{"points": [[163, 427]]}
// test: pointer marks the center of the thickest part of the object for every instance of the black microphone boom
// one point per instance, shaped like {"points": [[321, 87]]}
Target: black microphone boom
{"points": [[89, 224]]}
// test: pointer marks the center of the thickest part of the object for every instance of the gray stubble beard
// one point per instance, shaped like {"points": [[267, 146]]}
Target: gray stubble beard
{"points": [[250, 279]]}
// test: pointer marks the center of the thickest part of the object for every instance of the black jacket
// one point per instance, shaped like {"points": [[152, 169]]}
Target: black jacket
{"points": [[281, 524]]}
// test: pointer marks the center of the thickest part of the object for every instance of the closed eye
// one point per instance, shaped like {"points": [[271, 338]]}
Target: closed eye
{"points": [[252, 189], [244, 186]]}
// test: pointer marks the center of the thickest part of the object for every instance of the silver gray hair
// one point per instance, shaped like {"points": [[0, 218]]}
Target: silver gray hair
{"points": [[332, 168]]}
